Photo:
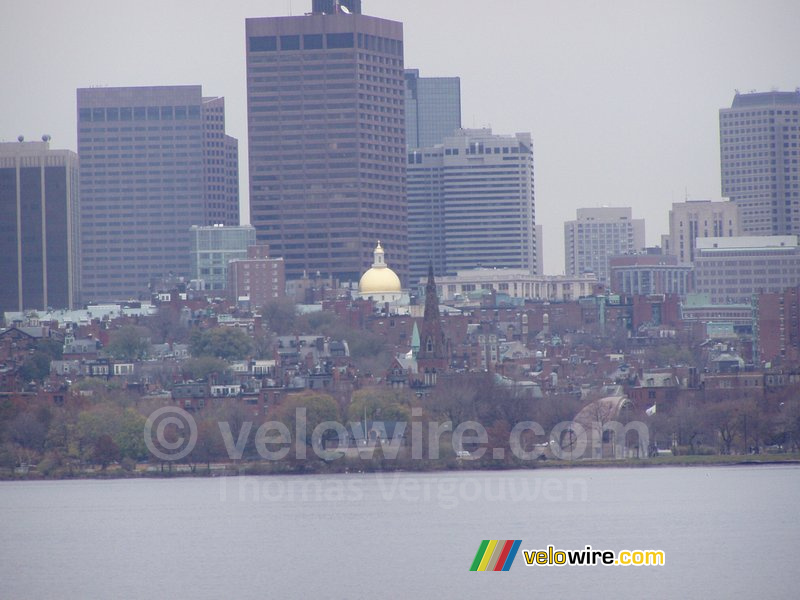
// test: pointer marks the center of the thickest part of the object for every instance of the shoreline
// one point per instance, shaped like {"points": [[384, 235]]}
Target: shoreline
{"points": [[257, 468]]}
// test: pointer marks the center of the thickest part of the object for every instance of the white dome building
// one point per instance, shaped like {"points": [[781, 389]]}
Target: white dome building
{"points": [[380, 283]]}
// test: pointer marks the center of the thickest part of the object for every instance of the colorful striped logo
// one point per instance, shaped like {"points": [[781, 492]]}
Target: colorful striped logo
{"points": [[495, 555]]}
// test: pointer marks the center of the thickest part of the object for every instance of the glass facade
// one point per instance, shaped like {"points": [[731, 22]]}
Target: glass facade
{"points": [[433, 109], [39, 227], [213, 248]]}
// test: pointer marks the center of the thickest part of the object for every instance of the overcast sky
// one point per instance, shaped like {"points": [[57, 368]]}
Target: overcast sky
{"points": [[621, 97]]}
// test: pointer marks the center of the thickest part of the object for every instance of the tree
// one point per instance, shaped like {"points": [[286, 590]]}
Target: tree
{"points": [[105, 451], [166, 325], [209, 445], [129, 343], [318, 408], [36, 367], [229, 343], [379, 404], [280, 315], [27, 431], [203, 367]]}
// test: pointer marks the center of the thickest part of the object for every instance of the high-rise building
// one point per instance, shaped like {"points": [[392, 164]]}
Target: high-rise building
{"points": [[154, 161], [39, 220], [471, 204], [326, 126], [698, 219], [212, 248], [433, 109], [759, 160], [597, 234]]}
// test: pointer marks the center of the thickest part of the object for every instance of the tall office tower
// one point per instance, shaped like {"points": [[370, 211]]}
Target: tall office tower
{"points": [[598, 233], [327, 150], [433, 109], [39, 220], [154, 161], [759, 160], [698, 219], [212, 248], [471, 204]]}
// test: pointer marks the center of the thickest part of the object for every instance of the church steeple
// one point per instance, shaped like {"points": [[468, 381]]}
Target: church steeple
{"points": [[432, 355]]}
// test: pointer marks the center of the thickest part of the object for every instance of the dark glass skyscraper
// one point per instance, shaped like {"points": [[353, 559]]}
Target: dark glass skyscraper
{"points": [[39, 221], [154, 162], [326, 126], [433, 109]]}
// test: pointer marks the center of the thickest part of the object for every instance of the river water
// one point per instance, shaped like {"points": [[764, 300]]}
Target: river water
{"points": [[727, 532]]}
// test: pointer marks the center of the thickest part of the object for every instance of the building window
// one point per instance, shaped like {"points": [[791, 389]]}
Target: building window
{"points": [[264, 43]]}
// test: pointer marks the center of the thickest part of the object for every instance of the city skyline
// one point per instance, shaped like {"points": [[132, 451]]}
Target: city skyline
{"points": [[564, 85]]}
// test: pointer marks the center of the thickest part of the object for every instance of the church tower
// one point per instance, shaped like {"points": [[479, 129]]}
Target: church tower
{"points": [[432, 355]]}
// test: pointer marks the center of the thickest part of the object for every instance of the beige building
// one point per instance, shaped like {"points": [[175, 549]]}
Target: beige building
{"points": [[596, 235], [733, 270], [698, 219], [517, 283]]}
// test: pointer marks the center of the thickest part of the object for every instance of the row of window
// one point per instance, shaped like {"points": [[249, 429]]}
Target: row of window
{"points": [[139, 113], [319, 41]]}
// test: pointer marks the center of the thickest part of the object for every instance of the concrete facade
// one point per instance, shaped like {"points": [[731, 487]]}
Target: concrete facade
{"points": [[471, 204], [647, 274], [698, 218], [516, 283], [327, 151], [759, 161], [154, 161], [733, 270], [597, 234]]}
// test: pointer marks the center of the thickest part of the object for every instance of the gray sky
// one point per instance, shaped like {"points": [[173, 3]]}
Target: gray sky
{"points": [[621, 96]]}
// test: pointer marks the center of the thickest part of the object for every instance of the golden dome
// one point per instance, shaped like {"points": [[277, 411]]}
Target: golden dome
{"points": [[380, 279]]}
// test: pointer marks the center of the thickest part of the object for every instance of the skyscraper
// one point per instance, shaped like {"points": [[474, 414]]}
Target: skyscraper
{"points": [[39, 219], [154, 161], [433, 109], [471, 203], [326, 128], [759, 160], [597, 234]]}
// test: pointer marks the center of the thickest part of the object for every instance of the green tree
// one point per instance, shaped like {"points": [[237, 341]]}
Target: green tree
{"points": [[129, 343], [379, 404], [203, 367], [229, 343], [280, 315], [317, 407], [128, 436], [36, 367]]}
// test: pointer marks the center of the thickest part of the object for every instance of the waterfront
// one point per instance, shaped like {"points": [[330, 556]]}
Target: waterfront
{"points": [[726, 531]]}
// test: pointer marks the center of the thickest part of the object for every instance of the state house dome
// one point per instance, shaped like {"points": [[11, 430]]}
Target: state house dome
{"points": [[380, 280]]}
